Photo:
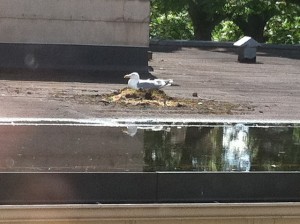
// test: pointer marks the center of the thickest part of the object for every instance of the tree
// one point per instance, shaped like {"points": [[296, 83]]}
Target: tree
{"points": [[227, 30], [274, 21], [296, 2], [205, 15], [285, 28], [170, 21], [252, 16]]}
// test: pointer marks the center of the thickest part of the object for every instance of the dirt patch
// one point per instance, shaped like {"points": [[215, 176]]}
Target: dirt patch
{"points": [[141, 99]]}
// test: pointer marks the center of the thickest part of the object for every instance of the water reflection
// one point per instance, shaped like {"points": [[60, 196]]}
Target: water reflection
{"points": [[275, 148], [132, 130], [229, 148], [236, 155], [149, 148]]}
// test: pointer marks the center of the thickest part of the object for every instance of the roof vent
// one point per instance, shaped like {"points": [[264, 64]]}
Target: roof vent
{"points": [[247, 49]]}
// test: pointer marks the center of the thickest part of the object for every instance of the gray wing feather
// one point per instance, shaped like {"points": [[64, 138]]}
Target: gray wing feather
{"points": [[153, 84], [148, 84]]}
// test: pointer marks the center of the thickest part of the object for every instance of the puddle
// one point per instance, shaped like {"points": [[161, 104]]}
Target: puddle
{"points": [[149, 148]]}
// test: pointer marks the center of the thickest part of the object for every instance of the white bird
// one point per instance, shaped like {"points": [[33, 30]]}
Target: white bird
{"points": [[135, 82]]}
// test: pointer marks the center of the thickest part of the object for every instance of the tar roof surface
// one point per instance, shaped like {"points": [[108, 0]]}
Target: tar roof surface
{"points": [[271, 86]]}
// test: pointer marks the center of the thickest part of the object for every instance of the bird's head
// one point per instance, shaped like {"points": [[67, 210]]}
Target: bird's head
{"points": [[133, 75]]}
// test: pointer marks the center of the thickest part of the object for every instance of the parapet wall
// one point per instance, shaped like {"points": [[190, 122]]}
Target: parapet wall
{"points": [[93, 22], [92, 35]]}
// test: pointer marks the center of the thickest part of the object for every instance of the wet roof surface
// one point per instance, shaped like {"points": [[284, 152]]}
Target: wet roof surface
{"points": [[153, 148]]}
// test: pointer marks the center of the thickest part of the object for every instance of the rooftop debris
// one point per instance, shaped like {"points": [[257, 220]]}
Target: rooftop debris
{"points": [[142, 99]]}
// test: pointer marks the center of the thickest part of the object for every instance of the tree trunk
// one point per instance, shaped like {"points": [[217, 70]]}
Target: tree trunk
{"points": [[254, 26], [203, 22], [202, 31]]}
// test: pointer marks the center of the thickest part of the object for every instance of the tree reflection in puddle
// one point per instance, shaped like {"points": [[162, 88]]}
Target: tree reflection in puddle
{"points": [[228, 148]]}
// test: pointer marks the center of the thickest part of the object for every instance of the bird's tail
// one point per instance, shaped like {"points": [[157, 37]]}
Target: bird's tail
{"points": [[169, 82]]}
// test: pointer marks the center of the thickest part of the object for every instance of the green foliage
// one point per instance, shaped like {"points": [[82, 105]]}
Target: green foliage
{"points": [[170, 20], [285, 28], [165, 6], [227, 31], [273, 21], [171, 26], [252, 16], [242, 9], [280, 30]]}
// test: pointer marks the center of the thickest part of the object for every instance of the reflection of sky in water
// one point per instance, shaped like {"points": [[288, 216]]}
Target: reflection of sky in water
{"points": [[236, 152]]}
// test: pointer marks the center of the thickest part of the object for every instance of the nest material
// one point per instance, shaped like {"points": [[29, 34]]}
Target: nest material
{"points": [[152, 97], [158, 98], [138, 99]]}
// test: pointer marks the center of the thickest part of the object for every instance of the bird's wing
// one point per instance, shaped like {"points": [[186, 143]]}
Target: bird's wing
{"points": [[153, 84], [148, 84], [164, 82]]}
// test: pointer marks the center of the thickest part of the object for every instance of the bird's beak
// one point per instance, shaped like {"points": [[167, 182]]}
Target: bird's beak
{"points": [[127, 77]]}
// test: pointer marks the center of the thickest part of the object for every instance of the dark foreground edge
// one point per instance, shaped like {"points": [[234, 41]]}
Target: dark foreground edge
{"points": [[160, 187]]}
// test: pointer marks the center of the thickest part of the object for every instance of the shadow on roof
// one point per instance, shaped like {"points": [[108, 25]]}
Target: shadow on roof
{"points": [[68, 76], [164, 49]]}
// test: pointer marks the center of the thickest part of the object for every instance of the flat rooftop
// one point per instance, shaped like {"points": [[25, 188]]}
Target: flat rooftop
{"points": [[269, 88]]}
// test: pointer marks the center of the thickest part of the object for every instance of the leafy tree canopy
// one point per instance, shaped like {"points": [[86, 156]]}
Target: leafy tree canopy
{"points": [[274, 21]]}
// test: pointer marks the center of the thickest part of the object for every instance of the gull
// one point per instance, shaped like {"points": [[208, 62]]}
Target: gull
{"points": [[136, 83]]}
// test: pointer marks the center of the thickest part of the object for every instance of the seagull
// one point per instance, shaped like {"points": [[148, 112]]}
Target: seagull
{"points": [[136, 83]]}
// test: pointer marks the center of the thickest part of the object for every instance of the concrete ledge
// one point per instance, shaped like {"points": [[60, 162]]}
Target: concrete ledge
{"points": [[196, 43], [279, 213], [189, 43]]}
